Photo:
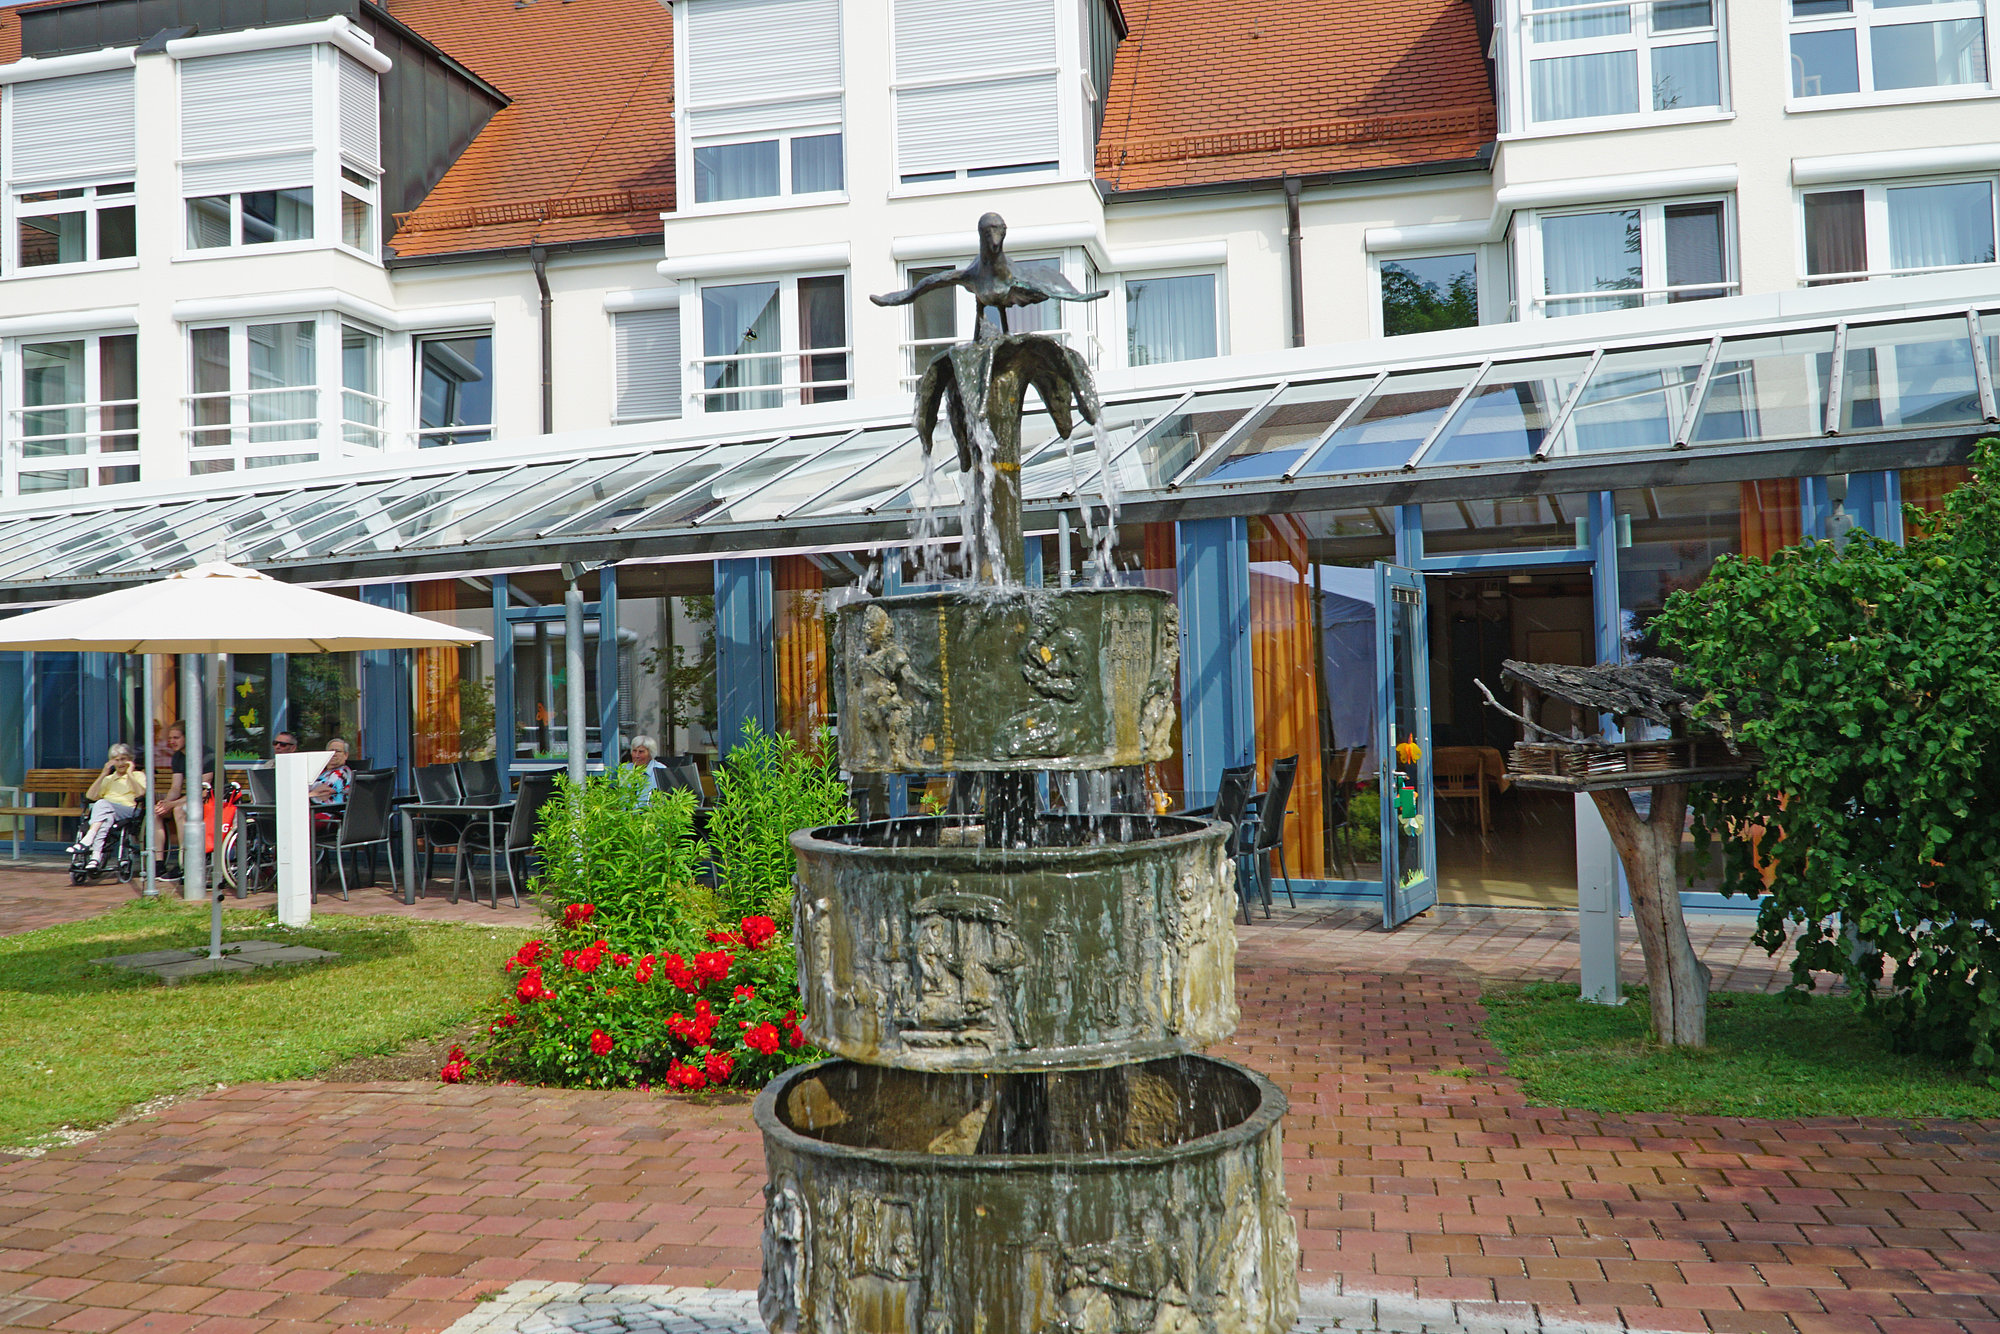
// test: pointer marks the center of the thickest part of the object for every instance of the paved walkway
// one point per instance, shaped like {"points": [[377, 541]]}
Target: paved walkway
{"points": [[1420, 1178]]}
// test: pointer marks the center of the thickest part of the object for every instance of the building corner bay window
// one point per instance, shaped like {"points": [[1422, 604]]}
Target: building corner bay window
{"points": [[762, 98], [1170, 319], [1593, 58], [253, 217], [255, 396], [766, 344], [1846, 47], [1619, 259], [975, 107], [455, 389], [1874, 231], [79, 420], [1432, 292]]}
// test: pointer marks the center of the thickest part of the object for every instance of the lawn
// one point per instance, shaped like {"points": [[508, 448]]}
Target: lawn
{"points": [[1767, 1056], [80, 1042]]}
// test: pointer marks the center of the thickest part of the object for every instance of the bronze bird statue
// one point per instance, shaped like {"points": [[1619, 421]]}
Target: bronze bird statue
{"points": [[993, 282]]}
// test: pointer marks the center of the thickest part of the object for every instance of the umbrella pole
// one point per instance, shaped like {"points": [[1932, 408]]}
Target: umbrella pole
{"points": [[152, 889], [219, 667], [575, 731], [194, 864]]}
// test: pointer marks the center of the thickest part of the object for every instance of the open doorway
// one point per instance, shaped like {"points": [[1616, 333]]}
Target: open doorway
{"points": [[1498, 844]]}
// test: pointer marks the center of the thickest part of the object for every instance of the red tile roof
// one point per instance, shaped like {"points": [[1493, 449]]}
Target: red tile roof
{"points": [[586, 149], [1205, 93]]}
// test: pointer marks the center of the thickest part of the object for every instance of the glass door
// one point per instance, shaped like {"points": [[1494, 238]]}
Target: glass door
{"points": [[1403, 706]]}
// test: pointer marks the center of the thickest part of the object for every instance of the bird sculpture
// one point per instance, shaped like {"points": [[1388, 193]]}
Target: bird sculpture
{"points": [[993, 282]]}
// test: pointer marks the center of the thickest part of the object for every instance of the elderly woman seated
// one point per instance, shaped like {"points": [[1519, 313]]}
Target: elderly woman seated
{"points": [[114, 795], [330, 788]]}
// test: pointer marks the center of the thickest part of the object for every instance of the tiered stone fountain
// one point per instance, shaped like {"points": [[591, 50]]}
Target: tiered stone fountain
{"points": [[1019, 1136]]}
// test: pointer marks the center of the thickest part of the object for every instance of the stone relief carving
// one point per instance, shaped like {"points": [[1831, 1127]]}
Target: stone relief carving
{"points": [[787, 1260], [887, 696], [1053, 659], [967, 956]]}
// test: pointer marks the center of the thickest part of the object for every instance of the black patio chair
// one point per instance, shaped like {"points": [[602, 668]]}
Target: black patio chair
{"points": [[438, 785], [1270, 836], [364, 824], [479, 781], [1232, 800], [516, 839], [679, 773]]}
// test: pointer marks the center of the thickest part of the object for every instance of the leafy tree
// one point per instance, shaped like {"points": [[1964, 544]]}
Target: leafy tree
{"points": [[1411, 304], [1869, 678]]}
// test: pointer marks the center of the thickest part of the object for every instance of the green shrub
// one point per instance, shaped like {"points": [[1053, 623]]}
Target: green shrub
{"points": [[768, 787], [631, 852]]}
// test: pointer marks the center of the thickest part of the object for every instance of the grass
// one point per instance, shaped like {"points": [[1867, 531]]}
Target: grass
{"points": [[1767, 1056], [80, 1043]]}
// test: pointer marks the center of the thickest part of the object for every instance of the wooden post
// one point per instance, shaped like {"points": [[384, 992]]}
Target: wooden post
{"points": [[1676, 981]]}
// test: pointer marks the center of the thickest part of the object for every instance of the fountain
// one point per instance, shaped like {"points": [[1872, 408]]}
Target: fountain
{"points": [[1017, 1135]]}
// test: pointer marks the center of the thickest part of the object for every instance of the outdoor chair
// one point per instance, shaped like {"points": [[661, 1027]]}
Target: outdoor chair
{"points": [[479, 780], [1270, 835], [516, 838], [364, 824], [679, 773], [438, 785], [264, 785], [1232, 799]]}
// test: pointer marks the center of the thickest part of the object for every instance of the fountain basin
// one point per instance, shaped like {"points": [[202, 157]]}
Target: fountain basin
{"points": [[1109, 939], [1025, 679], [893, 1205]]}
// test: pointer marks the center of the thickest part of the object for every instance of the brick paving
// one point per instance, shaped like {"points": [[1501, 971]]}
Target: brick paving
{"points": [[1419, 1176]]}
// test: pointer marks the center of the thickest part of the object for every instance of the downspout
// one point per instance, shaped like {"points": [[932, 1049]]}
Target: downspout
{"points": [[539, 257], [1298, 265]]}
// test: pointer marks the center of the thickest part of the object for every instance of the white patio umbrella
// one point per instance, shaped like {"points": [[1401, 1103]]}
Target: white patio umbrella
{"points": [[222, 608]]}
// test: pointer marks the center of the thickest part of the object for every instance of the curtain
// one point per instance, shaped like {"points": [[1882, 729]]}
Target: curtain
{"points": [[435, 678], [1770, 517], [1572, 20], [1170, 319], [804, 695], [1284, 652], [1926, 488], [1573, 87], [1836, 232], [736, 171], [1685, 76], [1934, 225], [738, 319], [1591, 252], [281, 357]]}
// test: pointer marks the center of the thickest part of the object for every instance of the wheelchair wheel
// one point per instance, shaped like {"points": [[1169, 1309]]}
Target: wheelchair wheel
{"points": [[78, 876], [124, 868]]}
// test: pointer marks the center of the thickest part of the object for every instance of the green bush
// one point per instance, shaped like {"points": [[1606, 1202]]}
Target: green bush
{"points": [[631, 852], [1868, 678], [768, 787]]}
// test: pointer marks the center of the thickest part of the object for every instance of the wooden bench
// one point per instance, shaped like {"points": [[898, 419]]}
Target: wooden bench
{"points": [[67, 784]]}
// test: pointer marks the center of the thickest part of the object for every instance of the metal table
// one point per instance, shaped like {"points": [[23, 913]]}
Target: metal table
{"points": [[412, 811]]}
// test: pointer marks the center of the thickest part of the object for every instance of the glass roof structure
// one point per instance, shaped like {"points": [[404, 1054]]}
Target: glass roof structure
{"points": [[1543, 419]]}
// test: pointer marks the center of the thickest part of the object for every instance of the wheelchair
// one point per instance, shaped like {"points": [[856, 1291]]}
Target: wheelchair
{"points": [[123, 846]]}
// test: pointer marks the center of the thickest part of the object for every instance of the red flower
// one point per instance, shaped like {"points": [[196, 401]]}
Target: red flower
{"points": [[526, 955], [644, 972], [679, 973], [683, 1076], [586, 961], [798, 1038], [724, 938], [453, 1072], [531, 987], [577, 914], [746, 993], [718, 1066], [764, 1038], [622, 960], [758, 931], [507, 1021], [713, 965], [600, 1043]]}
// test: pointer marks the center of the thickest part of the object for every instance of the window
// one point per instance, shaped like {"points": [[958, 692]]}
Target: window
{"points": [[977, 89], [1170, 319], [765, 344], [72, 152], [78, 420], [646, 350], [1860, 47], [363, 410], [455, 389], [254, 396], [933, 323], [247, 141], [257, 217], [1622, 258], [763, 98], [1586, 59], [360, 152], [1880, 230], [1431, 292], [76, 226]]}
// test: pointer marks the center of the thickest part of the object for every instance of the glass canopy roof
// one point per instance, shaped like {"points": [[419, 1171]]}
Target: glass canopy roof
{"points": [[1799, 383]]}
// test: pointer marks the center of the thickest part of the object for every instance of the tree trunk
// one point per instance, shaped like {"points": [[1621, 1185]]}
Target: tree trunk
{"points": [[1677, 982]]}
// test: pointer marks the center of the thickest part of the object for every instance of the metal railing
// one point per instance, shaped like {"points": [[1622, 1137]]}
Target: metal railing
{"points": [[787, 390]]}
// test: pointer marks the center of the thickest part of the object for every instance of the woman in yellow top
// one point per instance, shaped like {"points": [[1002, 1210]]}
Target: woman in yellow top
{"points": [[115, 796]]}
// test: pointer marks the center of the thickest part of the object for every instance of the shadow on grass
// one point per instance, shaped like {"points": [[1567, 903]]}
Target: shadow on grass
{"points": [[57, 960]]}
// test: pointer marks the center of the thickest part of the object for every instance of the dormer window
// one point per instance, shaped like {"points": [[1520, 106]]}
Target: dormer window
{"points": [[761, 107], [1595, 60]]}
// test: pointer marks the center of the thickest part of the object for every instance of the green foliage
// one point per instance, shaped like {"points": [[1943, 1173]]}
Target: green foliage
{"points": [[687, 680], [1766, 1056], [320, 696], [1364, 823], [1413, 304], [476, 716], [770, 786], [617, 844], [1869, 679]]}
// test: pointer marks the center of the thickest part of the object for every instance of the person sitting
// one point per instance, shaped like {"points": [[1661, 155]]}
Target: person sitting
{"points": [[114, 796], [330, 788], [174, 804], [284, 743]]}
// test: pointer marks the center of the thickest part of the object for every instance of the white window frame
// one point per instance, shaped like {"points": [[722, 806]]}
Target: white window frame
{"points": [[329, 438], [93, 405], [1520, 52], [790, 355], [1862, 21], [1653, 289], [419, 433], [355, 432], [1875, 225], [90, 204], [1217, 272], [237, 245], [686, 141], [1488, 261]]}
